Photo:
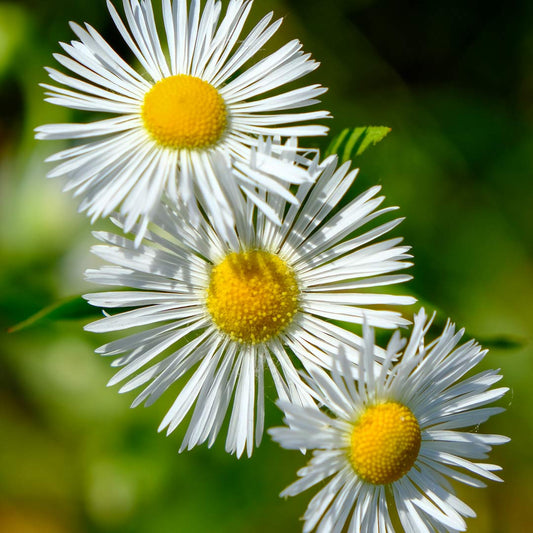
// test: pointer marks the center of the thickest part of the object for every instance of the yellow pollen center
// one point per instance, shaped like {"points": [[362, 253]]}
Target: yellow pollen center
{"points": [[252, 296], [385, 443], [184, 112]]}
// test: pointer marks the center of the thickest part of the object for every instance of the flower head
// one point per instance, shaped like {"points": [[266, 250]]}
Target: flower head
{"points": [[263, 295], [395, 435], [186, 124]]}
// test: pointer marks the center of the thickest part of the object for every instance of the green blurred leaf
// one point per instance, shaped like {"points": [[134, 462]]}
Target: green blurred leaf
{"points": [[14, 28], [502, 342], [72, 308], [352, 142]]}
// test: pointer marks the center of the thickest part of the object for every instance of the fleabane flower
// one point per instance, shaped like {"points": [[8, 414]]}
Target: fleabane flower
{"points": [[396, 436], [262, 297], [185, 122]]}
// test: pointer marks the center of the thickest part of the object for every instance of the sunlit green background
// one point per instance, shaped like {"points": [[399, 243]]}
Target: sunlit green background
{"points": [[454, 81]]}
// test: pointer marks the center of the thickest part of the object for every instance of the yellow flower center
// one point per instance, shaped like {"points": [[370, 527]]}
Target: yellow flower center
{"points": [[184, 112], [252, 296], [385, 443]]}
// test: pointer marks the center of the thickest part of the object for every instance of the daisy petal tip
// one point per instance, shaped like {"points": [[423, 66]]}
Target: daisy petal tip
{"points": [[90, 328]]}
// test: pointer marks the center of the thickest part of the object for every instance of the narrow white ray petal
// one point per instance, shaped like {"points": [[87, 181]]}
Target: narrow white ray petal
{"points": [[119, 71], [190, 391], [146, 64], [91, 129]]}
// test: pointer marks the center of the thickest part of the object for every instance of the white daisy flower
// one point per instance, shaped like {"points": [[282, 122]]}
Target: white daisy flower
{"points": [[228, 306], [184, 120], [393, 437]]}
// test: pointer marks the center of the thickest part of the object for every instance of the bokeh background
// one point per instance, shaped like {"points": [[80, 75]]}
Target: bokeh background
{"points": [[454, 82]]}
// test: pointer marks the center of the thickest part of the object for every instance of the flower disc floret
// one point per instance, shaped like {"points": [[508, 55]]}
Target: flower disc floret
{"points": [[385, 443], [252, 296], [184, 112]]}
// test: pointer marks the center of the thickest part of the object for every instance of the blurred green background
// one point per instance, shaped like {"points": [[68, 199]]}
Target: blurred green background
{"points": [[454, 82]]}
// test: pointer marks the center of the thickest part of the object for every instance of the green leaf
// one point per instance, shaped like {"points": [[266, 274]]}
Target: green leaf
{"points": [[502, 342], [72, 308], [352, 142], [14, 29]]}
